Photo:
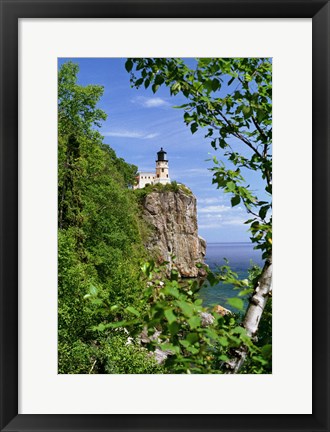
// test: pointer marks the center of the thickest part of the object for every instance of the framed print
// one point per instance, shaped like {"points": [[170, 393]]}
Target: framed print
{"points": [[107, 325]]}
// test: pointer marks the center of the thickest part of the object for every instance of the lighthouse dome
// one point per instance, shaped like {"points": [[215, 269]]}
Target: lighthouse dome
{"points": [[161, 155]]}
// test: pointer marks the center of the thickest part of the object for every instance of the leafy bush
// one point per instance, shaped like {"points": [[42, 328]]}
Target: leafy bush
{"points": [[191, 338], [122, 356]]}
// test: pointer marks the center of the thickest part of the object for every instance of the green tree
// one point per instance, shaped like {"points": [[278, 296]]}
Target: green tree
{"points": [[77, 114], [99, 235], [232, 100]]}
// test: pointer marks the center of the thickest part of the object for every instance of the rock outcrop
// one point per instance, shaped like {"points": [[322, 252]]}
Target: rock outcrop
{"points": [[173, 218]]}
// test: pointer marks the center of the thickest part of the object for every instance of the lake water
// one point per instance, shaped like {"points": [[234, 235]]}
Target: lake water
{"points": [[240, 256]]}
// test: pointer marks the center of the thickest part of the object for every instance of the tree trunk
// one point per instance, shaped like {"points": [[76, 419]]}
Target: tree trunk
{"points": [[254, 312], [259, 299]]}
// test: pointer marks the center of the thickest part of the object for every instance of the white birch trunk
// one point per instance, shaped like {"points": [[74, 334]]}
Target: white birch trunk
{"points": [[259, 299], [254, 312]]}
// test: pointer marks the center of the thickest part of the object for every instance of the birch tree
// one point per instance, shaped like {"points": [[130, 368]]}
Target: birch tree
{"points": [[231, 100]]}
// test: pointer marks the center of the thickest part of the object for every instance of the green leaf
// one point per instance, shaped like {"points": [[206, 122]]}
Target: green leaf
{"points": [[169, 315], [159, 80], [266, 351], [230, 186], [245, 292], [212, 278], [239, 330], [192, 338], [170, 347], [139, 82], [174, 328], [215, 84], [170, 290], [93, 290], [235, 200], [192, 349], [263, 211], [260, 115], [117, 324], [129, 65], [175, 88], [223, 357], [193, 127], [186, 308], [133, 311], [185, 343], [155, 87], [236, 302], [208, 85], [198, 302], [194, 322], [223, 341], [246, 111], [100, 327], [181, 106]]}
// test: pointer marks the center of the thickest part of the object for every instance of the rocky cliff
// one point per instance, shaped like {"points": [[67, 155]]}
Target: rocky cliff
{"points": [[173, 219]]}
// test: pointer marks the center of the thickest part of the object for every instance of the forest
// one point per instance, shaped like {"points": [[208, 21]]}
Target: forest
{"points": [[119, 312]]}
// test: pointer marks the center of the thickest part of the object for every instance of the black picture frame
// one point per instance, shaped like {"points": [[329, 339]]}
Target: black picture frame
{"points": [[11, 11]]}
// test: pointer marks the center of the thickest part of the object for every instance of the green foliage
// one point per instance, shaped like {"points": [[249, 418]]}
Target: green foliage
{"points": [[76, 357], [261, 360], [122, 357], [100, 228], [158, 187], [114, 355], [196, 340], [77, 111]]}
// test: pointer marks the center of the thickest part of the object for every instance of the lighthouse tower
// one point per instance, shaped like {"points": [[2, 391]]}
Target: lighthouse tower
{"points": [[162, 174]]}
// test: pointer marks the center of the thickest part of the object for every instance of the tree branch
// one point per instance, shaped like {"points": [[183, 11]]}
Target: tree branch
{"points": [[238, 135], [256, 124]]}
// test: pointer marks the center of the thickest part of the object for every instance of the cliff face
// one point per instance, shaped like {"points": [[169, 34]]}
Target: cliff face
{"points": [[173, 217]]}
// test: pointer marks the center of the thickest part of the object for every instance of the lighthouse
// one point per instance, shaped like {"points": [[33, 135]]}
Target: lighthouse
{"points": [[162, 174]]}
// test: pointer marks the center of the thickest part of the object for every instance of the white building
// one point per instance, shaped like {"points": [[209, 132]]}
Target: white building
{"points": [[160, 176], [144, 178]]}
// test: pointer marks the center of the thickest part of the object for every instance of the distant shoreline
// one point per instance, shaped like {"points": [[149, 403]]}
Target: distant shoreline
{"points": [[228, 243]]}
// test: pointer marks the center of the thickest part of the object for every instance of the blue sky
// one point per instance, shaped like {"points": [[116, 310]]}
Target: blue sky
{"points": [[140, 122]]}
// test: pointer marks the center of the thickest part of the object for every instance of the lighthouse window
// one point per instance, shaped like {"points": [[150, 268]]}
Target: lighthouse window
{"points": [[167, 175], [162, 169], [157, 175]]}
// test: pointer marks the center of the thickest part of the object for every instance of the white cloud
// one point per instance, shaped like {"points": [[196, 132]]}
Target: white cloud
{"points": [[130, 134], [211, 200], [217, 216], [217, 221], [209, 225], [235, 221], [192, 172], [152, 102], [214, 209]]}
